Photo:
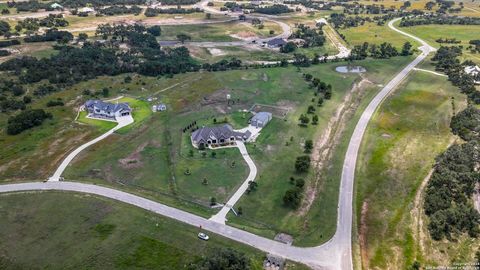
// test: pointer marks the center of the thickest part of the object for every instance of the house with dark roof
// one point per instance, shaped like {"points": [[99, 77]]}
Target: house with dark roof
{"points": [[260, 119], [100, 109], [276, 43], [217, 136]]}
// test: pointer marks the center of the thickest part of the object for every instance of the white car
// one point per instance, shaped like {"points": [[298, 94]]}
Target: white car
{"points": [[203, 236]]}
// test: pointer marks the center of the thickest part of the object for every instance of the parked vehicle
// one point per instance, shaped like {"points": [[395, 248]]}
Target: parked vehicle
{"points": [[203, 236]]}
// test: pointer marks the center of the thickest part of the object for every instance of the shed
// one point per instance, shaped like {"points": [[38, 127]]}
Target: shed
{"points": [[261, 119]]}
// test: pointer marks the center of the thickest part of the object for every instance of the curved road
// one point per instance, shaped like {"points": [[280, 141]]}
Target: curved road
{"points": [[334, 254]]}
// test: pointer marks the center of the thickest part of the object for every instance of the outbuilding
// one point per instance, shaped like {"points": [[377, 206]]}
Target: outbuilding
{"points": [[261, 119]]}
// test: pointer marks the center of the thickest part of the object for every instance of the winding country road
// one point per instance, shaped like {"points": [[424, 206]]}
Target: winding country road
{"points": [[334, 254]]}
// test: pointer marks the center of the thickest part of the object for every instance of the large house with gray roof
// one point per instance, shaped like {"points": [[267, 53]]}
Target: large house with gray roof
{"points": [[217, 136], [106, 110]]}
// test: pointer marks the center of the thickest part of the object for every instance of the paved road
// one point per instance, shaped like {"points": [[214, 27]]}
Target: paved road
{"points": [[220, 217], [334, 254], [122, 122]]}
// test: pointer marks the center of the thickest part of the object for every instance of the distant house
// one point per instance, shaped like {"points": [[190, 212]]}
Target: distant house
{"points": [[159, 107], [473, 71], [101, 109], [217, 136], [260, 119], [56, 6], [276, 43], [86, 10]]}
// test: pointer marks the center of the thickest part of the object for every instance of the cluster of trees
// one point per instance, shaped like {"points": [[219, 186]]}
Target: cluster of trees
{"points": [[224, 259], [273, 9], [29, 6], [72, 64], [382, 51], [438, 19], [4, 28], [5, 53], [26, 120], [178, 2], [118, 10], [446, 60], [33, 24], [8, 43], [222, 65], [51, 35], [152, 12], [474, 46], [448, 40], [448, 194], [313, 37], [466, 124], [293, 196], [99, 3]]}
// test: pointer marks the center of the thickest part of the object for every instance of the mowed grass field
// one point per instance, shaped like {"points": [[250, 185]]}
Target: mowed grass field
{"points": [[62, 230], [406, 134], [463, 33]]}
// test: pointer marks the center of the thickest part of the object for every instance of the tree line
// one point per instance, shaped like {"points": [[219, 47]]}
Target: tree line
{"points": [[448, 196], [152, 12], [438, 19]]}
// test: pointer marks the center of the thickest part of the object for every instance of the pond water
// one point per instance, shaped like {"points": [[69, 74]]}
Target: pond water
{"points": [[350, 69]]}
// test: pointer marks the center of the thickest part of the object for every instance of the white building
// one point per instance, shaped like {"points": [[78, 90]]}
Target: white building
{"points": [[473, 71]]}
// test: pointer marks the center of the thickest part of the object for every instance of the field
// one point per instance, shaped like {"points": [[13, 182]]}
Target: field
{"points": [[158, 153], [70, 231], [219, 31], [463, 33], [398, 151], [374, 34], [263, 210]]}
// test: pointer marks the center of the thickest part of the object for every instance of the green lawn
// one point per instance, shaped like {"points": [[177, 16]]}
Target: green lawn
{"points": [[398, 150], [102, 126], [63, 230]]}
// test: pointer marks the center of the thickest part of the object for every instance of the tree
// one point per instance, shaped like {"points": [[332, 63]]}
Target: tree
{"points": [[190, 152], [320, 101], [308, 146], [252, 186], [304, 120], [293, 197], [310, 109], [213, 201], [302, 164], [205, 181], [407, 46], [183, 37], [155, 30], [214, 154], [240, 211], [300, 183], [208, 16], [315, 119]]}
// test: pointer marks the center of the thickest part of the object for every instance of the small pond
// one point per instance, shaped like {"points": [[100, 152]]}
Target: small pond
{"points": [[350, 69]]}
